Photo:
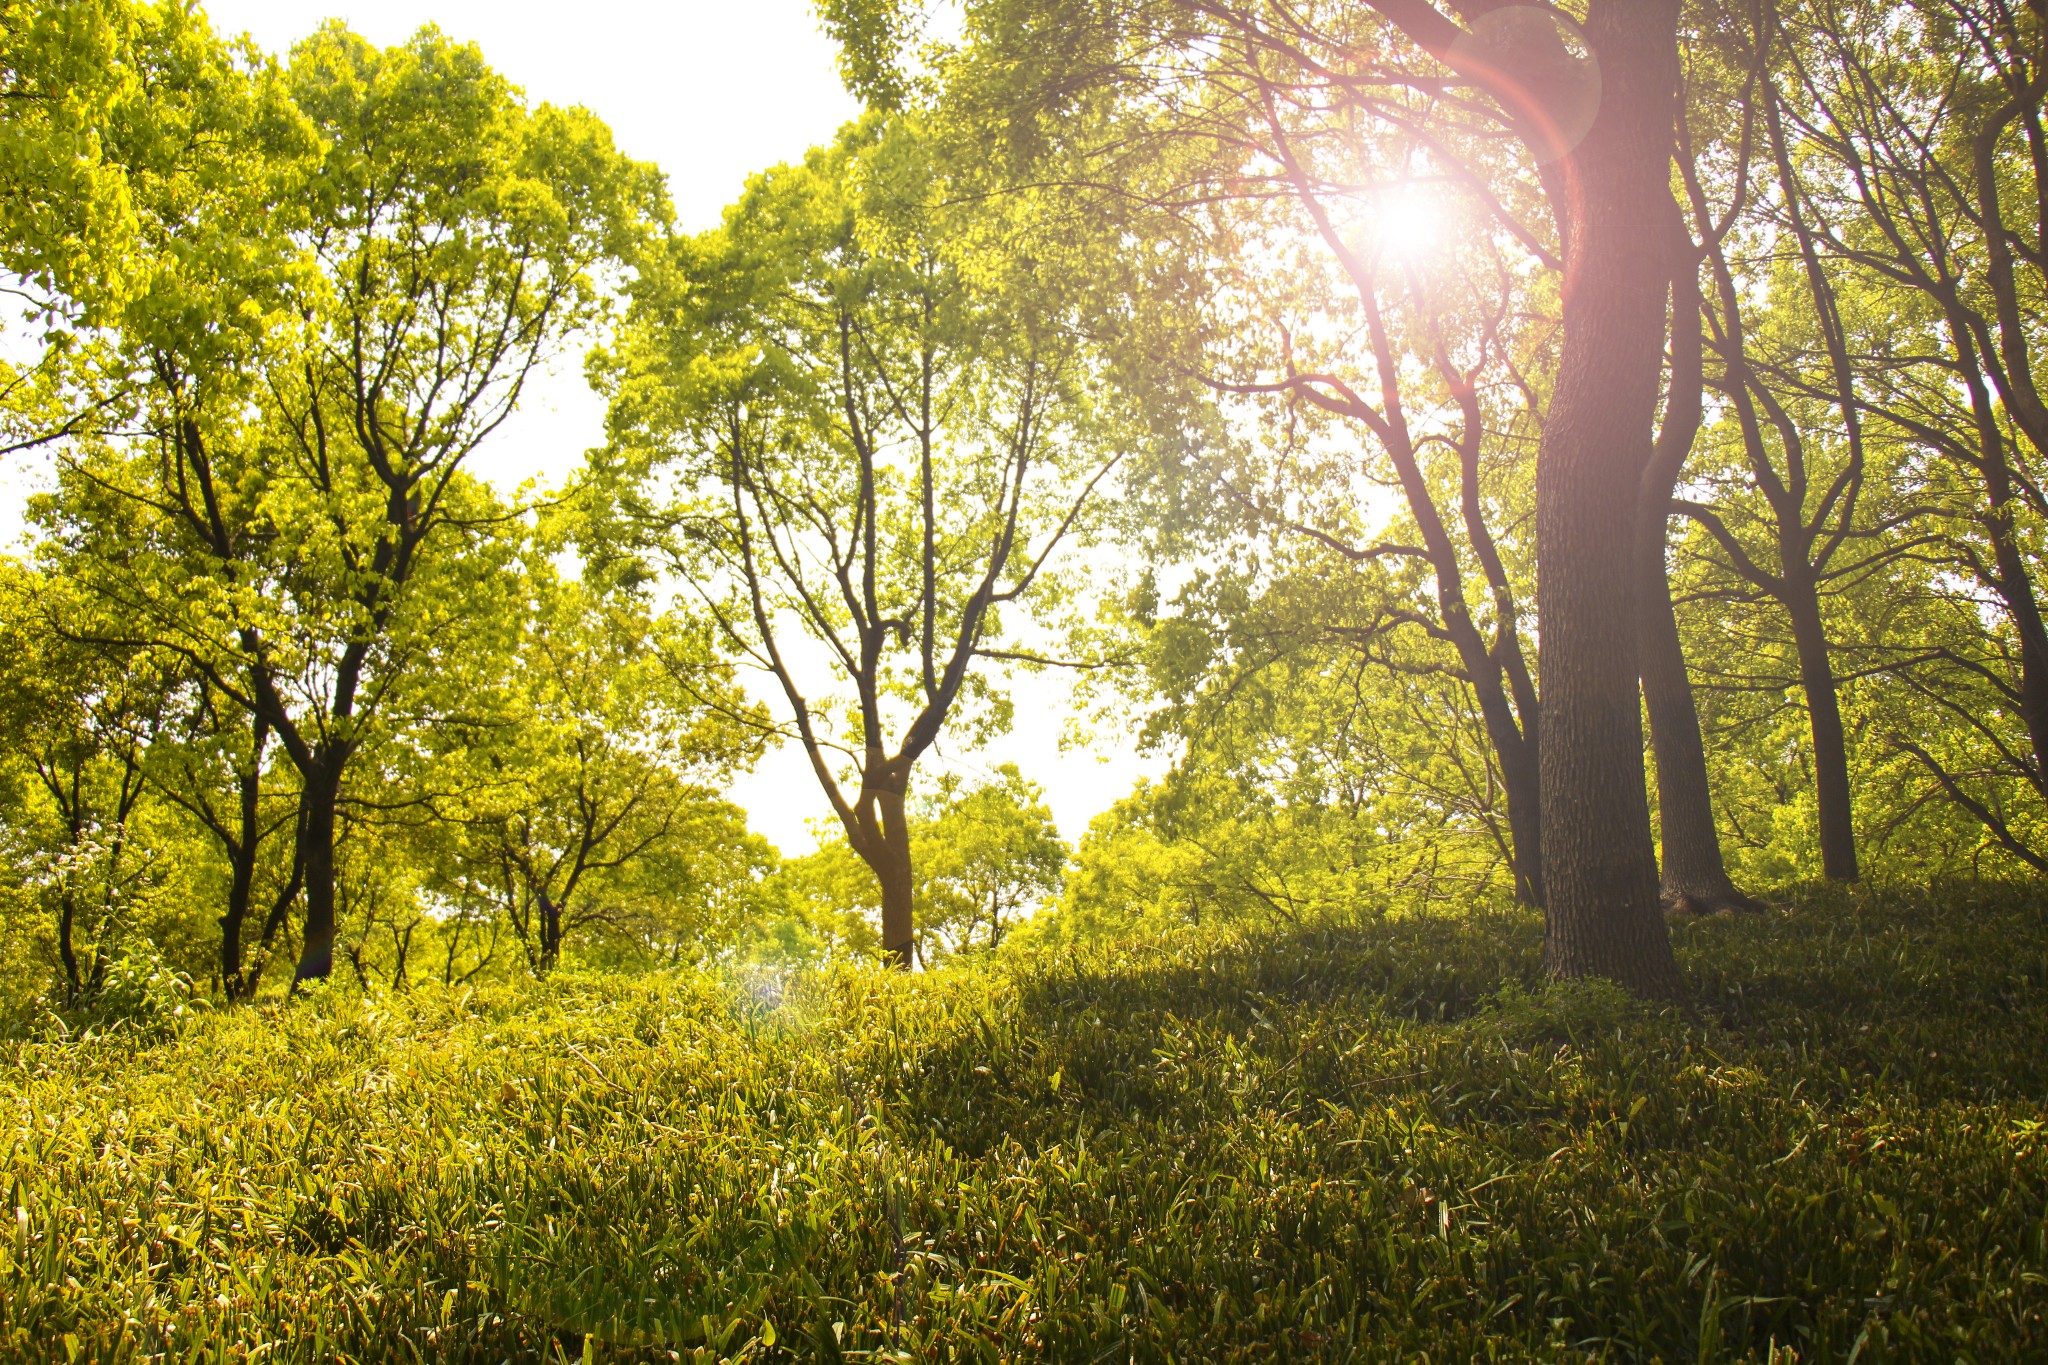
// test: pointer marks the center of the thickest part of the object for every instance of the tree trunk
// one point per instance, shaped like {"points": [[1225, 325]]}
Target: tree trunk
{"points": [[318, 797], [280, 908], [1694, 878], [241, 884], [2024, 611], [882, 838], [1521, 774], [1830, 749], [2015, 588], [67, 952], [240, 888], [1599, 865], [1515, 752], [550, 935]]}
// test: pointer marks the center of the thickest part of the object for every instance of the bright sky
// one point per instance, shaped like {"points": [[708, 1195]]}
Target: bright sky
{"points": [[711, 91]]}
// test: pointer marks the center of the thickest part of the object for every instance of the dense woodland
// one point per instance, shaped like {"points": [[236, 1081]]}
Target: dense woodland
{"points": [[1559, 492]]}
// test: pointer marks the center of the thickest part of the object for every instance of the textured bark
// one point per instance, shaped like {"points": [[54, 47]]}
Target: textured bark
{"points": [[1600, 867]]}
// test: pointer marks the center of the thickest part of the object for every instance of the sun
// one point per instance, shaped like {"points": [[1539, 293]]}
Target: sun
{"points": [[1409, 224]]}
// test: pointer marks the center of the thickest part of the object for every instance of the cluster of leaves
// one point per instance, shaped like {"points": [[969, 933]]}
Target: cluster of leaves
{"points": [[1368, 1141]]}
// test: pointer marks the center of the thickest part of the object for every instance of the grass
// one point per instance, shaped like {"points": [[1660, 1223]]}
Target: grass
{"points": [[1376, 1141]]}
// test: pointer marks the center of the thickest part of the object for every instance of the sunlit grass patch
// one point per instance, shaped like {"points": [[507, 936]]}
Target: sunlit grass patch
{"points": [[1353, 1141]]}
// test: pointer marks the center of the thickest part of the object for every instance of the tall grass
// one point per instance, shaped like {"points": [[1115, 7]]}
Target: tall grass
{"points": [[1373, 1141]]}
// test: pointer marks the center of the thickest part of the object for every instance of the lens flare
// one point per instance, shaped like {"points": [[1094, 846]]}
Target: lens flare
{"points": [[1409, 224]]}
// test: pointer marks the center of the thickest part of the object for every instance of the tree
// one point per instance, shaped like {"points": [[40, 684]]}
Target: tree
{"points": [[83, 720], [1592, 107], [214, 766], [69, 74], [850, 421], [1919, 131], [986, 853], [316, 539], [594, 798]]}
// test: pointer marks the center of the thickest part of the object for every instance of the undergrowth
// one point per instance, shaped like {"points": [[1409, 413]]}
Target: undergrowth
{"points": [[1374, 1141]]}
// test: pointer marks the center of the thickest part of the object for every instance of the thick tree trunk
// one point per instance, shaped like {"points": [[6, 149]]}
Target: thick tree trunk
{"points": [[318, 797], [1599, 865], [1830, 748], [1694, 877], [889, 857]]}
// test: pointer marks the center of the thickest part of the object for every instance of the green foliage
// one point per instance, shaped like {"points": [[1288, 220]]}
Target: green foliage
{"points": [[586, 812], [1346, 1142], [982, 854], [138, 992], [820, 908]]}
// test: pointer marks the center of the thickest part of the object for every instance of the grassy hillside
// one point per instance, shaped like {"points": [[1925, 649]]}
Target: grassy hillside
{"points": [[1361, 1142]]}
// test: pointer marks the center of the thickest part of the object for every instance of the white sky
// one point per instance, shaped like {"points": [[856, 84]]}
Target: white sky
{"points": [[711, 91]]}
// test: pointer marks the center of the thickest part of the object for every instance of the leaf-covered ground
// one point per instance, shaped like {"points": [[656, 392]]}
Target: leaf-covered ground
{"points": [[1365, 1142]]}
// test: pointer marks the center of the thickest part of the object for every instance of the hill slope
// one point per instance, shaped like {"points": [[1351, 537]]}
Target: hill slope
{"points": [[1358, 1142]]}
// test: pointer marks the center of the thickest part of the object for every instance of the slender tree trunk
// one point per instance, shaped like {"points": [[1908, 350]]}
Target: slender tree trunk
{"points": [[2015, 588], [1599, 863], [280, 909], [318, 796], [550, 934], [1695, 879], [240, 887], [1514, 752], [1521, 774], [242, 861], [67, 952], [1830, 748]]}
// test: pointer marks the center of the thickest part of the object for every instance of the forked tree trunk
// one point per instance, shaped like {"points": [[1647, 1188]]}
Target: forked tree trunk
{"points": [[1600, 867]]}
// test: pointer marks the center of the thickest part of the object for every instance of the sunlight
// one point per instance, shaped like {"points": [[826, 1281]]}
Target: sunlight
{"points": [[1408, 224]]}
